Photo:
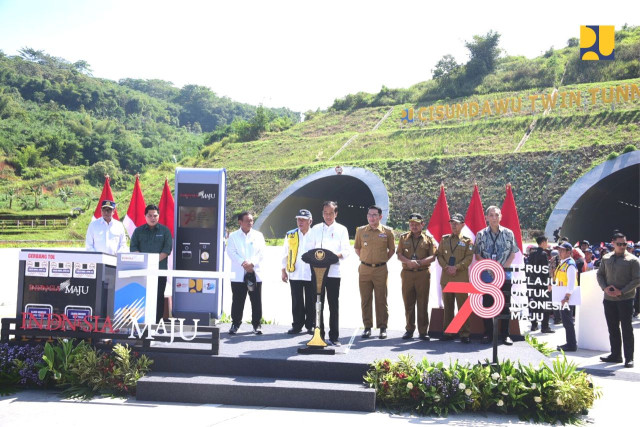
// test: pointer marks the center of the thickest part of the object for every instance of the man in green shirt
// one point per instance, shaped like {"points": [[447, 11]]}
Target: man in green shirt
{"points": [[154, 238]]}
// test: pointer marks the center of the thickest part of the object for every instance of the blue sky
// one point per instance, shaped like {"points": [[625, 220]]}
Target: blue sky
{"points": [[298, 54]]}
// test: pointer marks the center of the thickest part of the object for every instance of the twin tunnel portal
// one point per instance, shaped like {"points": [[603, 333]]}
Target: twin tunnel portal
{"points": [[604, 199]]}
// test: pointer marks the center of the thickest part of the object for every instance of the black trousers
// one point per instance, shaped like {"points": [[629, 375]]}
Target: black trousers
{"points": [[618, 314], [568, 322], [162, 285], [332, 291], [487, 301], [636, 302], [239, 292], [545, 320], [303, 304]]}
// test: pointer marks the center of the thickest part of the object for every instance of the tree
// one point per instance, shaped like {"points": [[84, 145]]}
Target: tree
{"points": [[36, 192], [64, 193], [82, 66], [483, 55], [446, 67], [11, 194], [96, 172]]}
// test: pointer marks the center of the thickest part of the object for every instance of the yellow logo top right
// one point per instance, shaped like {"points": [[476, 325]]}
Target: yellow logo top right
{"points": [[597, 42]]}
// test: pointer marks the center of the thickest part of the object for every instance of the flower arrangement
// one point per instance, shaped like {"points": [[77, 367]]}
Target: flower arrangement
{"points": [[543, 394], [80, 370]]}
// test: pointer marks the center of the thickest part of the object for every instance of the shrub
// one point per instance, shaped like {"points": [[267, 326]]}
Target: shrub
{"points": [[544, 394], [19, 366], [81, 371]]}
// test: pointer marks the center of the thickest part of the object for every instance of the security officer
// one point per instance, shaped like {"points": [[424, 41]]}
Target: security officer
{"points": [[455, 255], [374, 244], [416, 251]]}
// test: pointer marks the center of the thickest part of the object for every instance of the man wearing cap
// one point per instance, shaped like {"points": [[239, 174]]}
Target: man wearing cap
{"points": [[619, 276], [497, 243], [303, 294], [106, 234], [416, 251], [566, 274], [375, 245], [455, 254], [154, 238]]}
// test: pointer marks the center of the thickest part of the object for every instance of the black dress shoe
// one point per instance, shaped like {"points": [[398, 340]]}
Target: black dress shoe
{"points": [[447, 337], [310, 331], [486, 339], [294, 331], [407, 335], [335, 343], [567, 348], [233, 330], [611, 359], [547, 331], [366, 333], [383, 333], [507, 341], [257, 330], [465, 340], [424, 337], [534, 327], [628, 364]]}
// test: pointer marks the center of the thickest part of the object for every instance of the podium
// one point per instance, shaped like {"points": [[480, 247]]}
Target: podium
{"points": [[320, 260]]}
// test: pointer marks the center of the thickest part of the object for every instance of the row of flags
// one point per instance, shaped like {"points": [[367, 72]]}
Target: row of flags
{"points": [[474, 221], [135, 214]]}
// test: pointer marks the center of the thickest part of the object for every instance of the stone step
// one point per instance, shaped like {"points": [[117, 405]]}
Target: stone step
{"points": [[255, 391]]}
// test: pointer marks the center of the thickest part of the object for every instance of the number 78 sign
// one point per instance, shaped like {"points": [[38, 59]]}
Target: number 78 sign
{"points": [[476, 289]]}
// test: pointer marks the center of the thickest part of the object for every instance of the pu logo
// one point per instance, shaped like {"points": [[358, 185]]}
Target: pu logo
{"points": [[195, 286], [407, 116], [597, 42]]}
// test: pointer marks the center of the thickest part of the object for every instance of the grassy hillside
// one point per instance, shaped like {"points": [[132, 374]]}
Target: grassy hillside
{"points": [[411, 158]]}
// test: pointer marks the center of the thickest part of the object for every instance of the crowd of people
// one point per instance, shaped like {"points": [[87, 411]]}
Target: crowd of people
{"points": [[616, 262]]}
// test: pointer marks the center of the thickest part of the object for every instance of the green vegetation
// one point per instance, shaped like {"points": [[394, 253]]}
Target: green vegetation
{"points": [[54, 113], [546, 393], [62, 130]]}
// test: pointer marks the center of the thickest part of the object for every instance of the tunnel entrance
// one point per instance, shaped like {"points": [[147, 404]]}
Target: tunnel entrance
{"points": [[355, 189], [606, 198]]}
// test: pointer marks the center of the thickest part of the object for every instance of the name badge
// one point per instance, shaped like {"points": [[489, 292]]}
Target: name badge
{"points": [[461, 244], [382, 235]]}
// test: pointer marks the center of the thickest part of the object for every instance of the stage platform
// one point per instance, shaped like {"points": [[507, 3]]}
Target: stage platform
{"points": [[266, 370]]}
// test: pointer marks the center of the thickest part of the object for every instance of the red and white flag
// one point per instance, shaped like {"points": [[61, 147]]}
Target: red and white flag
{"points": [[510, 217], [439, 226], [474, 221], [106, 195], [135, 214], [511, 221], [166, 208]]}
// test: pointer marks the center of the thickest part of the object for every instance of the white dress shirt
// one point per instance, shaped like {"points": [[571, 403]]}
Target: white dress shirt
{"points": [[243, 247], [109, 238], [334, 238], [303, 270]]}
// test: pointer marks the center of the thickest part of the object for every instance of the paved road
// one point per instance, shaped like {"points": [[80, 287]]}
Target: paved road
{"points": [[44, 408]]}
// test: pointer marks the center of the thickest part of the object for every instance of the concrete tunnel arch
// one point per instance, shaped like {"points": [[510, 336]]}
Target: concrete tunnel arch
{"points": [[355, 189], [604, 199]]}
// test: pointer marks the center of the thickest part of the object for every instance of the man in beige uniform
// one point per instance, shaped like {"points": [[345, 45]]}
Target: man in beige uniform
{"points": [[416, 251], [374, 244], [455, 255]]}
